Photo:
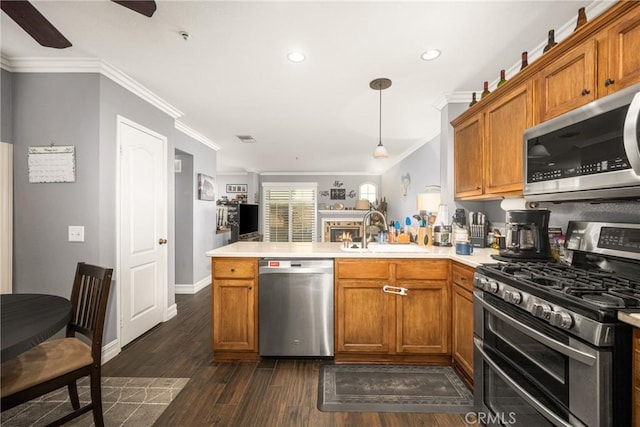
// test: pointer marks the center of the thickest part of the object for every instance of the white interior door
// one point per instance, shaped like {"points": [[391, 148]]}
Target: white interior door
{"points": [[143, 229], [6, 217]]}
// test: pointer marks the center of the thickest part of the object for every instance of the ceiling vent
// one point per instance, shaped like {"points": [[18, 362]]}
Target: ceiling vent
{"points": [[247, 139]]}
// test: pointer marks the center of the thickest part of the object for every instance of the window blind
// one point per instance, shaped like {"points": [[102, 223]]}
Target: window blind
{"points": [[290, 212]]}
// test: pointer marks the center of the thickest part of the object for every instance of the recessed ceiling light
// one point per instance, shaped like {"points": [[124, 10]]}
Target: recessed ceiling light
{"points": [[430, 55], [296, 56]]}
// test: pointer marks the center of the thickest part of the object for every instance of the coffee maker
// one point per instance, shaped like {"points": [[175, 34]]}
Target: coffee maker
{"points": [[527, 235]]}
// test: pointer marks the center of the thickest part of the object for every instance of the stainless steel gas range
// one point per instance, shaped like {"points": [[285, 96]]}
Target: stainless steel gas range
{"points": [[549, 349]]}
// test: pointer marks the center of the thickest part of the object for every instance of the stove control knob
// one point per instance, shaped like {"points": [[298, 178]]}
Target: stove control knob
{"points": [[490, 286], [543, 311], [514, 297], [561, 319]]}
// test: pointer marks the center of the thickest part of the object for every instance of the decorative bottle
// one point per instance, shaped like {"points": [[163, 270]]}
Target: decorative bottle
{"points": [[525, 61], [485, 90], [502, 79], [473, 99], [582, 18], [551, 43]]}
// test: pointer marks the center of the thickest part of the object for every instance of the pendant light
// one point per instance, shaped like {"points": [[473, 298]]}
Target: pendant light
{"points": [[380, 85]]}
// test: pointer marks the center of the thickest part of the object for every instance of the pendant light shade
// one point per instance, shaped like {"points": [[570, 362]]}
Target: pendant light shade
{"points": [[380, 151], [380, 85]]}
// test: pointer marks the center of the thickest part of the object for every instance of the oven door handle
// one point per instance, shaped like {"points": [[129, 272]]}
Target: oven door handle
{"points": [[546, 412], [574, 354]]}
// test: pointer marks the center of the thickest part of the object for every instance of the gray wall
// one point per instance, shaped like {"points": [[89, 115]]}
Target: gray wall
{"points": [[204, 212], [6, 113], [81, 110], [326, 183], [185, 199], [423, 167], [63, 109]]}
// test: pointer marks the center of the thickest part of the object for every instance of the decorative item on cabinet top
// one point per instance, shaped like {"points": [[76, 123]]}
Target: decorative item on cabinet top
{"points": [[582, 18], [551, 42], [473, 99]]}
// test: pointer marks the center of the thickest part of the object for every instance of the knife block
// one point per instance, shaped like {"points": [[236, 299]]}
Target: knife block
{"points": [[479, 236]]}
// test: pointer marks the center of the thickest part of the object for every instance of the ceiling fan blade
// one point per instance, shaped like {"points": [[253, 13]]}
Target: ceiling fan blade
{"points": [[145, 7], [35, 24]]}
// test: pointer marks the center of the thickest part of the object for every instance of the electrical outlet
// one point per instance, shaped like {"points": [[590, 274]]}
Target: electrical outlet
{"points": [[76, 233]]}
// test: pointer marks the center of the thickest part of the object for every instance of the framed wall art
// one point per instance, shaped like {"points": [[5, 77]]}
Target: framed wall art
{"points": [[338, 194], [206, 187], [236, 188]]}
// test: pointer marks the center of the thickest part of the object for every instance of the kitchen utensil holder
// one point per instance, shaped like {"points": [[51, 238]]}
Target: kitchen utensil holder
{"points": [[479, 235]]}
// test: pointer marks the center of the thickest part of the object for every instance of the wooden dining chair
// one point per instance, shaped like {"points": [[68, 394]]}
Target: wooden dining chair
{"points": [[61, 362]]}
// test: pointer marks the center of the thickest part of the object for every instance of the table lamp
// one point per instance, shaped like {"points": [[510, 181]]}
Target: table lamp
{"points": [[428, 203]]}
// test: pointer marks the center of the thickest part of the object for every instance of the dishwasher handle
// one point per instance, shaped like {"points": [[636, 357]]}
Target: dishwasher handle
{"points": [[294, 270], [295, 266]]}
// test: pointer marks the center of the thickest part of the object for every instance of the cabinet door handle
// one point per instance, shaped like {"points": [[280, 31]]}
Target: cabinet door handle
{"points": [[609, 82], [585, 92], [162, 241], [233, 270], [394, 290]]}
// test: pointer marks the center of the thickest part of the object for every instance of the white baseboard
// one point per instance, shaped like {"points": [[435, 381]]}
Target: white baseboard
{"points": [[110, 351], [192, 289], [172, 311]]}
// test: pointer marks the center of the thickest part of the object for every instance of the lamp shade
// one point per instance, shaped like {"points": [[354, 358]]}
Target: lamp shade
{"points": [[380, 151], [428, 202]]}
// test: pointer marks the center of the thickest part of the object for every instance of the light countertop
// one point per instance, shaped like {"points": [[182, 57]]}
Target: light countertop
{"points": [[333, 250], [629, 317]]}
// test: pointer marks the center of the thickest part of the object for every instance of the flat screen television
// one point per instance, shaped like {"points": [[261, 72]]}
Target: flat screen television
{"points": [[247, 218]]}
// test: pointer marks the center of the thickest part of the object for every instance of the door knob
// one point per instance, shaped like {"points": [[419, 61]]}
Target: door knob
{"points": [[609, 82], [162, 241], [585, 92]]}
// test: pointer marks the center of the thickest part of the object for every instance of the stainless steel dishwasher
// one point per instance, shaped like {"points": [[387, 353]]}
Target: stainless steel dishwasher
{"points": [[295, 306]]}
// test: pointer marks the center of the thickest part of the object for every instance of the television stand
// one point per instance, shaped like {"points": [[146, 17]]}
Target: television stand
{"points": [[251, 237]]}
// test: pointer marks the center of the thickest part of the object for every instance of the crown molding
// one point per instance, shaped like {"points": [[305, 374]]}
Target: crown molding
{"points": [[196, 135], [88, 65], [462, 97]]}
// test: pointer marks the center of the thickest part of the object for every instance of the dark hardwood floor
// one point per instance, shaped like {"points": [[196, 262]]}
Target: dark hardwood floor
{"points": [[279, 392]]}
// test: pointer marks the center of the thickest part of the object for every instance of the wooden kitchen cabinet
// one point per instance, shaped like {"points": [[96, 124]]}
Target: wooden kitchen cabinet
{"points": [[372, 325], [467, 157], [595, 67], [506, 118], [462, 319], [234, 314], [488, 146], [599, 58], [623, 57], [569, 82]]}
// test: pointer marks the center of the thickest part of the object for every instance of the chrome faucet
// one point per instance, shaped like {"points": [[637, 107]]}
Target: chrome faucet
{"points": [[364, 225]]}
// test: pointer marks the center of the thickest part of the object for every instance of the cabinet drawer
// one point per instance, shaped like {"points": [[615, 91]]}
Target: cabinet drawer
{"points": [[462, 275], [362, 269], [422, 269], [234, 268]]}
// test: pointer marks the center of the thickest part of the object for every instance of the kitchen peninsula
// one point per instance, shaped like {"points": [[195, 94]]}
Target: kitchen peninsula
{"points": [[371, 325]]}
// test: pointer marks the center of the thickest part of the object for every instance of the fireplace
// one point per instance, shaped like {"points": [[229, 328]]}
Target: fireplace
{"points": [[338, 231]]}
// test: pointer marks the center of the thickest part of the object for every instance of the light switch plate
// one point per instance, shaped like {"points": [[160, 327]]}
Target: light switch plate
{"points": [[76, 233]]}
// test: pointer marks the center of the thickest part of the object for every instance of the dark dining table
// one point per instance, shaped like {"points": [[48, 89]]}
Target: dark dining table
{"points": [[29, 319]]}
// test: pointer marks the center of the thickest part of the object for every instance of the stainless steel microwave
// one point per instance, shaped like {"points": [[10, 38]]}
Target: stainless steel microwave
{"points": [[592, 152]]}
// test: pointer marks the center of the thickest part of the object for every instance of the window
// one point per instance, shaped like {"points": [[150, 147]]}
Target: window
{"points": [[368, 191], [290, 211]]}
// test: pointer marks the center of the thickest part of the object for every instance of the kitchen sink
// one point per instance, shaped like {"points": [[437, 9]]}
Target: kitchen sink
{"points": [[387, 248]]}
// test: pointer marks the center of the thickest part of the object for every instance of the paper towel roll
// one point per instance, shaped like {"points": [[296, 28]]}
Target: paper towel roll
{"points": [[517, 204]]}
